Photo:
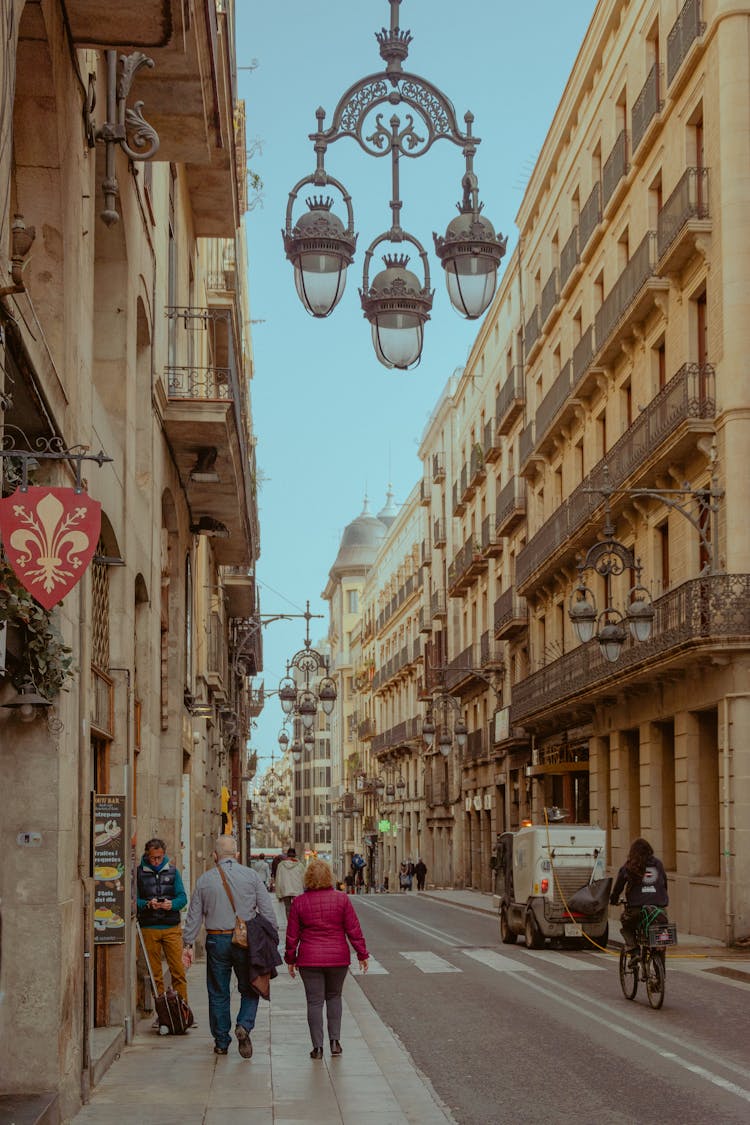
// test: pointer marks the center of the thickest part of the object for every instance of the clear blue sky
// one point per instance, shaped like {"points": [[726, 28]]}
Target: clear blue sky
{"points": [[331, 421]]}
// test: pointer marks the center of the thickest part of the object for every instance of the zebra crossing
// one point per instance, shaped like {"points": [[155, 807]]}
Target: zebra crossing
{"points": [[425, 961]]}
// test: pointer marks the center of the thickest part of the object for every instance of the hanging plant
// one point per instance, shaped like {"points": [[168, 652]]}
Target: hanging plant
{"points": [[44, 659]]}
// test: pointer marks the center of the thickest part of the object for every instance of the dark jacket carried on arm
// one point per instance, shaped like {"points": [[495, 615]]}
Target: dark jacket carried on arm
{"points": [[262, 954]]}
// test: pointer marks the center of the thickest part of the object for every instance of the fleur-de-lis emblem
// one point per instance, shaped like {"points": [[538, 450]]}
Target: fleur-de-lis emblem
{"points": [[49, 536]]}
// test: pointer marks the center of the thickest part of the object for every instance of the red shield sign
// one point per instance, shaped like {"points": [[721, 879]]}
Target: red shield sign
{"points": [[49, 536]]}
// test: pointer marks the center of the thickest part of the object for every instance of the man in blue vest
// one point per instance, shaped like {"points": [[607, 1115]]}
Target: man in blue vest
{"points": [[161, 897]]}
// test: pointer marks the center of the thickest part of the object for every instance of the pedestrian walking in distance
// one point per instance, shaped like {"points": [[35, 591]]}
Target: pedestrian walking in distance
{"points": [[290, 875], [160, 897], [420, 870], [262, 866], [404, 877], [321, 923], [210, 906]]}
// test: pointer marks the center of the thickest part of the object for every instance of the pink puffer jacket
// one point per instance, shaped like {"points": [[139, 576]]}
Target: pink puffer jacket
{"points": [[319, 924]]}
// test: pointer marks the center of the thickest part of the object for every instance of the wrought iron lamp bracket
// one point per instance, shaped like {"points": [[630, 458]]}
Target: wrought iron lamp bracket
{"points": [[124, 126], [46, 449]]}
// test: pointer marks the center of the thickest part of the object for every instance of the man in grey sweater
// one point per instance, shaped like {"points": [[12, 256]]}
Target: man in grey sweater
{"points": [[210, 905]]}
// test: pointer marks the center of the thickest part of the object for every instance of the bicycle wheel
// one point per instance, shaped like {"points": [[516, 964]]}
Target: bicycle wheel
{"points": [[654, 970], [628, 975]]}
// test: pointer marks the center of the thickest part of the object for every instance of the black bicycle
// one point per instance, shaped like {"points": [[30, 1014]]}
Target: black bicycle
{"points": [[647, 962]]}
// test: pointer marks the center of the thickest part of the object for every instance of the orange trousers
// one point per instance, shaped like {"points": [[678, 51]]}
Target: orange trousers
{"points": [[167, 943]]}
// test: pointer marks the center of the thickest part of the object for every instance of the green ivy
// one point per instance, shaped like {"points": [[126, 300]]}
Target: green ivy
{"points": [[45, 659]]}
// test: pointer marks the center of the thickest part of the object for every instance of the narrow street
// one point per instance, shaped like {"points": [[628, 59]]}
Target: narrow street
{"points": [[507, 1034]]}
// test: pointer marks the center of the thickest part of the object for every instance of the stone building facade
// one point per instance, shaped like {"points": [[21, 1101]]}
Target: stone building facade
{"points": [[605, 398], [126, 330]]}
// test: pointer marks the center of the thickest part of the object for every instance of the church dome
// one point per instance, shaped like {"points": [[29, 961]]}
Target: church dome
{"points": [[359, 543]]}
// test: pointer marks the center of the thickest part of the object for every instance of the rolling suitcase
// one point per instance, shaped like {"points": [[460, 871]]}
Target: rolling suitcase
{"points": [[173, 1014]]}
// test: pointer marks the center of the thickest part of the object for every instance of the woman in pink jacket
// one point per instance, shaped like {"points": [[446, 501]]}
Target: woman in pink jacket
{"points": [[320, 921]]}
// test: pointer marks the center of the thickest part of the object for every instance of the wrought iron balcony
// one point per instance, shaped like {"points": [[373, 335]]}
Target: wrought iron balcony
{"points": [[550, 296], [439, 605], [511, 400], [459, 504], [199, 384], [510, 506], [438, 467], [647, 105], [366, 730], [425, 493], [583, 354], [476, 745], [492, 543], [666, 429], [528, 458], [700, 613], [438, 534], [426, 553], [631, 299], [615, 170], [590, 217], [511, 614], [477, 470], [683, 219], [531, 333], [491, 653], [468, 486], [425, 619], [491, 444], [551, 411], [460, 673], [569, 258], [685, 31]]}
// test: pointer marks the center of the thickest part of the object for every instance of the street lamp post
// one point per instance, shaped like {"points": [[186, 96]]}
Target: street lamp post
{"points": [[396, 302], [303, 701], [609, 558]]}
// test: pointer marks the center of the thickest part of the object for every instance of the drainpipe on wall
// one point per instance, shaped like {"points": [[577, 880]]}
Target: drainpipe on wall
{"points": [[84, 813], [725, 800]]}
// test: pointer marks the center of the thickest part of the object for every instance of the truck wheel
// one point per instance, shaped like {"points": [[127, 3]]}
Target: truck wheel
{"points": [[532, 937], [507, 936]]}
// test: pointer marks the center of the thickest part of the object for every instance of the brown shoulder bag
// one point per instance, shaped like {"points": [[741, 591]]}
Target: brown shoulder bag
{"points": [[239, 935]]}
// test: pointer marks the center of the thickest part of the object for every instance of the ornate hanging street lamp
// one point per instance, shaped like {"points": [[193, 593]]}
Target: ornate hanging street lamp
{"points": [[396, 303]]}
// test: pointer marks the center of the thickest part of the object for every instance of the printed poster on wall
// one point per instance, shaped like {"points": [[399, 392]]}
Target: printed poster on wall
{"points": [[109, 868]]}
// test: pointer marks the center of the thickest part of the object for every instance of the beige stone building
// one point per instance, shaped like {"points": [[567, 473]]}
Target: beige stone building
{"points": [[124, 327], [607, 377]]}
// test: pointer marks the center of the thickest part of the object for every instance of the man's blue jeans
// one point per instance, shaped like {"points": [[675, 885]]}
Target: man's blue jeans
{"points": [[221, 958]]}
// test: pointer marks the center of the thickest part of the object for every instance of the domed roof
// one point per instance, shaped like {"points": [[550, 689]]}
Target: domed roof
{"points": [[359, 543], [389, 511]]}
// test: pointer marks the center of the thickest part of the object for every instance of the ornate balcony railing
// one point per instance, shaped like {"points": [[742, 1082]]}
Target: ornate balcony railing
{"points": [[426, 553], [510, 505], [700, 612], [688, 394], [204, 384], [526, 444], [552, 403], [438, 533], [646, 106], [550, 294], [477, 469], [438, 467], [583, 353], [569, 257], [491, 443], [511, 613], [532, 331], [689, 200], [491, 542], [425, 492], [685, 30], [615, 168], [438, 604], [491, 652], [460, 669], [476, 745], [510, 401], [590, 217], [366, 729], [641, 266]]}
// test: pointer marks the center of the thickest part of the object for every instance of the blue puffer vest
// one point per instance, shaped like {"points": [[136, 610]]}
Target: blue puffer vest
{"points": [[157, 884]]}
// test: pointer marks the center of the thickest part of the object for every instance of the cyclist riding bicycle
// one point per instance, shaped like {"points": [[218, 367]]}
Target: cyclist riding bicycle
{"points": [[644, 881]]}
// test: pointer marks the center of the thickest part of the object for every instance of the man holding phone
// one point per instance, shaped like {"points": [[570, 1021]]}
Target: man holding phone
{"points": [[160, 898]]}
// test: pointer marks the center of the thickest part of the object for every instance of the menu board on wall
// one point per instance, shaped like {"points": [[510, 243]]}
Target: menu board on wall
{"points": [[109, 849]]}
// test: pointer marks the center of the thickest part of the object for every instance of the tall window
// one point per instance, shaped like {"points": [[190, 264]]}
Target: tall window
{"points": [[352, 601]]}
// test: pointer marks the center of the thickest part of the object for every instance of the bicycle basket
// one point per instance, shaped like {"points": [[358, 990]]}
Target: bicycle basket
{"points": [[661, 934]]}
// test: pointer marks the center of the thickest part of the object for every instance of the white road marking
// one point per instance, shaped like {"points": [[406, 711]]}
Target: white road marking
{"points": [[428, 962], [563, 961], [497, 962], [374, 968]]}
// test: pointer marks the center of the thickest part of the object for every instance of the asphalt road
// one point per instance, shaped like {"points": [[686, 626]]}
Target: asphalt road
{"points": [[505, 1034]]}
